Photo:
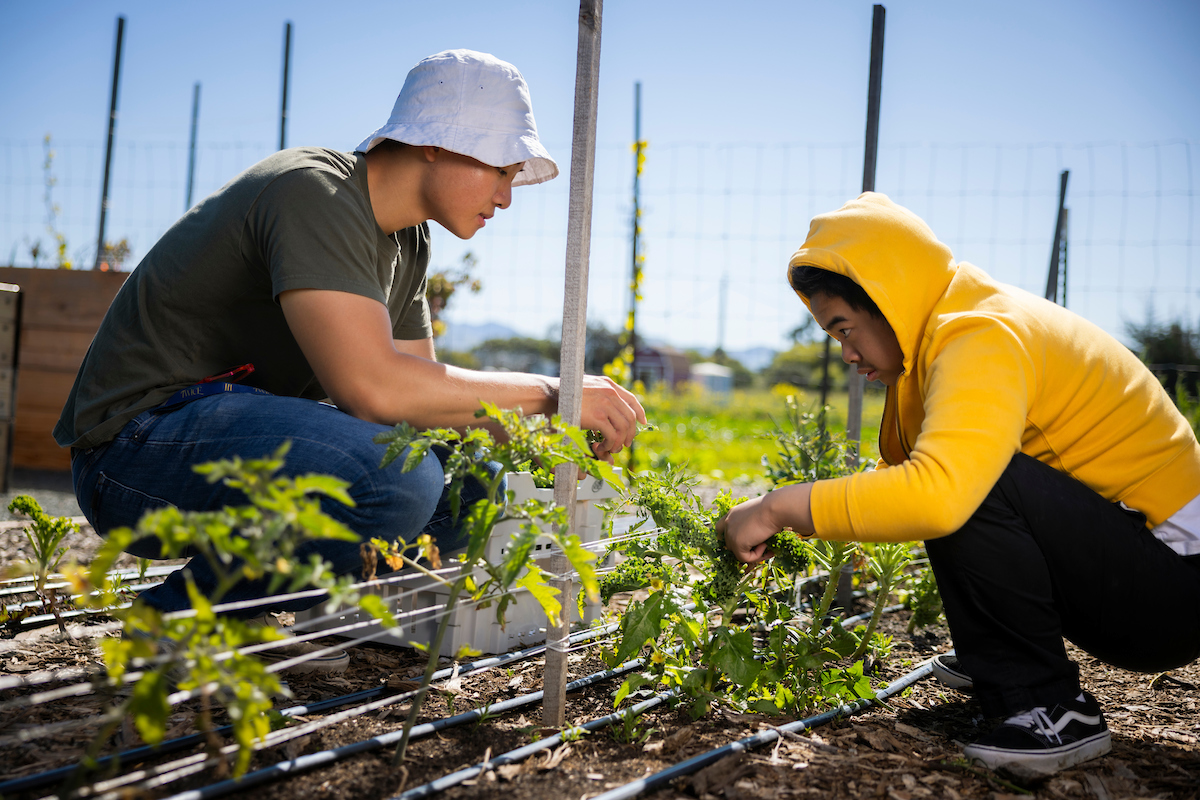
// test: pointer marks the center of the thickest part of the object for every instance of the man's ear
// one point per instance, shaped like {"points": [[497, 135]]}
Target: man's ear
{"points": [[430, 153]]}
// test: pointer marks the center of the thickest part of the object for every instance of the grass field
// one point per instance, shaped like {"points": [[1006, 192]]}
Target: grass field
{"points": [[724, 438]]}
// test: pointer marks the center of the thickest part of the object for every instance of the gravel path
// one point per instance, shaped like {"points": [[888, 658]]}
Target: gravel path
{"points": [[52, 490]]}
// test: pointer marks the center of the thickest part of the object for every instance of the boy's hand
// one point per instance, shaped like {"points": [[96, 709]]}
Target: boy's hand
{"points": [[748, 525], [613, 411]]}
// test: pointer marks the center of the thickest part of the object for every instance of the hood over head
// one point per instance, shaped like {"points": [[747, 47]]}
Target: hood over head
{"points": [[891, 253]]}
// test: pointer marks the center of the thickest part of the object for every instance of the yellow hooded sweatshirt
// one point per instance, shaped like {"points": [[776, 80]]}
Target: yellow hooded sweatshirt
{"points": [[989, 370]]}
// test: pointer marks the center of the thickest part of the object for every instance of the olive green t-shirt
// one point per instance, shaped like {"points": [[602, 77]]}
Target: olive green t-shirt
{"points": [[205, 298]]}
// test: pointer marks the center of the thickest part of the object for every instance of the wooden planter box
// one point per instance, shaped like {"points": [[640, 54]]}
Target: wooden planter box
{"points": [[61, 312]]}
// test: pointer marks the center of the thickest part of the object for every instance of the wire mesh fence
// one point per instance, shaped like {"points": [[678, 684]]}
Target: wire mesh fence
{"points": [[719, 223]]}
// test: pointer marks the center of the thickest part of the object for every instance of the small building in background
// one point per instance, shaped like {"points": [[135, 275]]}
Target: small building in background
{"points": [[714, 378], [662, 365]]}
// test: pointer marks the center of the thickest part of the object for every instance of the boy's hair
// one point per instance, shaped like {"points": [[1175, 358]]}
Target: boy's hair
{"points": [[809, 281]]}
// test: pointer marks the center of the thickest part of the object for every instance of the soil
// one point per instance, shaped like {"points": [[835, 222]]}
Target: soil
{"points": [[907, 750]]}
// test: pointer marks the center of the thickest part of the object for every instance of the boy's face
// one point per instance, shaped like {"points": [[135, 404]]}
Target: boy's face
{"points": [[868, 342], [463, 193]]}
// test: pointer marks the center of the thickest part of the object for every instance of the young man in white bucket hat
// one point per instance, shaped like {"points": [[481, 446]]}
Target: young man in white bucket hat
{"points": [[304, 279]]}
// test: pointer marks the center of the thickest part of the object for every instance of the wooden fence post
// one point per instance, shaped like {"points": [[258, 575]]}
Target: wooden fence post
{"points": [[574, 331]]}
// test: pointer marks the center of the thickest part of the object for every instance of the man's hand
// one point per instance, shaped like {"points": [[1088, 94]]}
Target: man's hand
{"points": [[748, 525], [613, 411]]}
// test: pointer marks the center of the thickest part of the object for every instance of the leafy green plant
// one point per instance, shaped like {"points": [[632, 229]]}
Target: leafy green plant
{"points": [[45, 535], [886, 561], [808, 449], [548, 442], [631, 731], [725, 634], [199, 652], [923, 600]]}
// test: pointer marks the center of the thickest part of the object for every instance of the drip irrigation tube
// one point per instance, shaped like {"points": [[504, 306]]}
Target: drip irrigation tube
{"points": [[521, 753], [697, 763], [313, 760], [51, 777]]}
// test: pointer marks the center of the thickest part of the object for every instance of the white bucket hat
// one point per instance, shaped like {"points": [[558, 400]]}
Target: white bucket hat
{"points": [[473, 104]]}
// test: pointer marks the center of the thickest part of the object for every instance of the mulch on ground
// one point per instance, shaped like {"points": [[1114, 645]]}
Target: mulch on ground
{"points": [[909, 749]]}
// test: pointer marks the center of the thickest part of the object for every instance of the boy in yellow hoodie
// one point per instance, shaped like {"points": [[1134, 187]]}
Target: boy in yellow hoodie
{"points": [[1053, 481]]}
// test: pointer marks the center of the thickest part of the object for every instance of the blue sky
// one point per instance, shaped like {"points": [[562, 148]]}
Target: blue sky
{"points": [[754, 113]]}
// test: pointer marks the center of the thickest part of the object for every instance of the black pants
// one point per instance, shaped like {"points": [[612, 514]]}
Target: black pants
{"points": [[1044, 558]]}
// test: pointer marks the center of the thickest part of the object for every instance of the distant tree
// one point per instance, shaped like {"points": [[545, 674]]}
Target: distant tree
{"points": [[742, 377], [1165, 348], [458, 358], [518, 354], [800, 365], [440, 286], [600, 348]]}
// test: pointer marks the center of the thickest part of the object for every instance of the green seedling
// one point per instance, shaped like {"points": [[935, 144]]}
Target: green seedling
{"points": [[45, 535], [573, 733], [630, 730]]}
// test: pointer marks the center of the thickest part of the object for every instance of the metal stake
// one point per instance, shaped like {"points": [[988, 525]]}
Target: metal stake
{"points": [[287, 64], [192, 146], [112, 131], [1059, 230], [854, 381]]}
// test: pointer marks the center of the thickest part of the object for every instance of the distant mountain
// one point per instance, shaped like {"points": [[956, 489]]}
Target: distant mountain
{"points": [[461, 336]]}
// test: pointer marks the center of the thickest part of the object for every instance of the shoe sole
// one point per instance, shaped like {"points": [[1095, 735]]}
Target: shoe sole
{"points": [[950, 678], [323, 666], [1040, 763]]}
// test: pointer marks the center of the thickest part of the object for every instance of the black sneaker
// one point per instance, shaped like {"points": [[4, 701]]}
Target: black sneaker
{"points": [[1042, 741], [949, 672]]}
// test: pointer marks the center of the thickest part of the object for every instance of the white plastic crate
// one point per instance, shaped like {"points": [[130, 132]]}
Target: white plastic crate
{"points": [[525, 621]]}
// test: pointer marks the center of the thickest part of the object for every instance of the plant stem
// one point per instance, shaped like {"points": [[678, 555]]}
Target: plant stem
{"points": [[423, 571], [831, 584], [435, 647], [885, 588]]}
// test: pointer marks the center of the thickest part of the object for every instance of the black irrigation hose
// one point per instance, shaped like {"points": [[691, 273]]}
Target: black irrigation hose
{"points": [[53, 776], [49, 777], [521, 753], [697, 763], [313, 760]]}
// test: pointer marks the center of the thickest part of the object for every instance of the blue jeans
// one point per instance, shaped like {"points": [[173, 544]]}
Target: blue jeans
{"points": [[149, 465]]}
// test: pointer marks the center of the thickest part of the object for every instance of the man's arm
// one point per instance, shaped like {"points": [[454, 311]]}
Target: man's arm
{"points": [[421, 348], [347, 339], [748, 525]]}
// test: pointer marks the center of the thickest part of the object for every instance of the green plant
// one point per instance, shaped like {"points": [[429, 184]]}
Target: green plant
{"points": [[199, 652], [923, 600], [721, 633], [534, 438], [45, 535], [886, 561], [631, 730], [572, 733], [440, 286]]}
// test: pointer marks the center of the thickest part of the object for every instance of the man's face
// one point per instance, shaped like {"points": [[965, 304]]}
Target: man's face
{"points": [[868, 342], [464, 193]]}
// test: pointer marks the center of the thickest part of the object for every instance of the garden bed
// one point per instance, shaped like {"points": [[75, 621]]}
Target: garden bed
{"points": [[905, 751]]}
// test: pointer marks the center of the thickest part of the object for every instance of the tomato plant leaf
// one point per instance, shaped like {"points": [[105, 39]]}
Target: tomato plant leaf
{"points": [[732, 652]]}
